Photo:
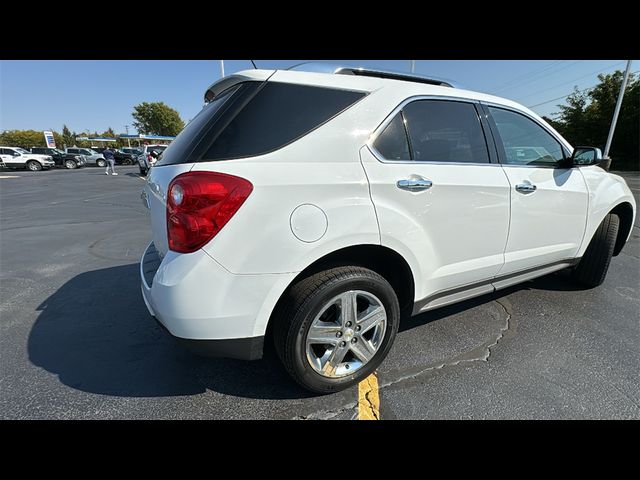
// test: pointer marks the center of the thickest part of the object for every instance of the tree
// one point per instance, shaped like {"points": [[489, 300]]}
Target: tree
{"points": [[68, 138], [22, 138], [157, 118], [586, 118], [109, 133]]}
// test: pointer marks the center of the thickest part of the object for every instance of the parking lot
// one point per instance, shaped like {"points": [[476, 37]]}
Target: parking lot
{"points": [[77, 342]]}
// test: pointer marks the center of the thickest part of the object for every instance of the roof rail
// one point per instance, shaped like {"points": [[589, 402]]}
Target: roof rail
{"points": [[369, 72]]}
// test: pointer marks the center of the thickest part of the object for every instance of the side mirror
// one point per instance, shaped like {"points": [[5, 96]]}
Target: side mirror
{"points": [[584, 156]]}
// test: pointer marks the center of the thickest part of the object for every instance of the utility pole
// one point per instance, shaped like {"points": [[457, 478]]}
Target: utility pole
{"points": [[126, 127], [614, 120], [221, 68], [413, 66]]}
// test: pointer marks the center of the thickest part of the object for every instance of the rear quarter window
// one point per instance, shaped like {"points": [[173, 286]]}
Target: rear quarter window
{"points": [[277, 115]]}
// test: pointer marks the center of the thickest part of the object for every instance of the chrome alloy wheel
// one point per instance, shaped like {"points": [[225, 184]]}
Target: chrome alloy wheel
{"points": [[346, 334]]}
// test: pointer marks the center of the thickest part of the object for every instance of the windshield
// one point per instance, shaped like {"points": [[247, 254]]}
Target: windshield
{"points": [[131, 150], [88, 151], [55, 150], [21, 150]]}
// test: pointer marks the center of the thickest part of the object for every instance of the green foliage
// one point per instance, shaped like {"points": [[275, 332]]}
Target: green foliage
{"points": [[23, 138], [586, 118], [68, 137], [157, 118]]}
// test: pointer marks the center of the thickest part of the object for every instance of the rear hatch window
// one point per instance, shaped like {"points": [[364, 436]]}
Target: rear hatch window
{"points": [[255, 118]]}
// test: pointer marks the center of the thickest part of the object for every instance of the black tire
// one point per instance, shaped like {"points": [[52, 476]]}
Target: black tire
{"points": [[34, 166], [592, 269], [101, 162], [142, 172], [70, 164], [304, 301]]}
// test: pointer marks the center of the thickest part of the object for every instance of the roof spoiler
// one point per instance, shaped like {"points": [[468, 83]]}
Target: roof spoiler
{"points": [[227, 82]]}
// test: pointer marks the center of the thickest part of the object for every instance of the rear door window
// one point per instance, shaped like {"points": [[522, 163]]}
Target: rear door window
{"points": [[445, 131]]}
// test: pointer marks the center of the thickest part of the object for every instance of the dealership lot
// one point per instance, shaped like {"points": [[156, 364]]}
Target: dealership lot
{"points": [[76, 340]]}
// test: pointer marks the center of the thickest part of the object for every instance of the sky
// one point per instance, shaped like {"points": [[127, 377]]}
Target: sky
{"points": [[93, 95]]}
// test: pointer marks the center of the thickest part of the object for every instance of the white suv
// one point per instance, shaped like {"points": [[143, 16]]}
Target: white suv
{"points": [[317, 208], [16, 157]]}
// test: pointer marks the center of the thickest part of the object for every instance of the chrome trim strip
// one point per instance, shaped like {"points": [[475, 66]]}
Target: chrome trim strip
{"points": [[423, 305]]}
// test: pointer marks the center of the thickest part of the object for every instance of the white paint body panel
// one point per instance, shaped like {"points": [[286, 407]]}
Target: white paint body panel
{"points": [[455, 234], [546, 225], [606, 191], [452, 234]]}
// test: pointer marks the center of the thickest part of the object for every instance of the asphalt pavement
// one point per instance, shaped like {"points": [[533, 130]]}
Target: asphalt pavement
{"points": [[76, 341]]}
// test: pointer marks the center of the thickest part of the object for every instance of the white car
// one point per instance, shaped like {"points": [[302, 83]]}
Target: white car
{"points": [[91, 156], [315, 209], [16, 157], [146, 160]]}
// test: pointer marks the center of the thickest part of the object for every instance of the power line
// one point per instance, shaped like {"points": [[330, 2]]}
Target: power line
{"points": [[578, 91], [535, 78], [535, 71], [574, 80]]}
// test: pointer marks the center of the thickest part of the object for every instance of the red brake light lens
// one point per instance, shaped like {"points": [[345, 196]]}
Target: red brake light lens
{"points": [[199, 204]]}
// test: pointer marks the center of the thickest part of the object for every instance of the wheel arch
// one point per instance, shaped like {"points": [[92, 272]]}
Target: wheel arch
{"points": [[625, 213], [383, 260]]}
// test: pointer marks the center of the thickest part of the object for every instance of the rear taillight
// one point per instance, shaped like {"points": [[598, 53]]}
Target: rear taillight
{"points": [[199, 204]]}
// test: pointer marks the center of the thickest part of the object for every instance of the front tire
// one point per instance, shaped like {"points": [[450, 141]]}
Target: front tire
{"points": [[102, 163], [335, 327], [593, 267], [34, 166]]}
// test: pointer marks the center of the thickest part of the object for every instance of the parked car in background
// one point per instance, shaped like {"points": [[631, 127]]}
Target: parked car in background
{"points": [[91, 156], [146, 160], [61, 159], [323, 207], [127, 156], [16, 157]]}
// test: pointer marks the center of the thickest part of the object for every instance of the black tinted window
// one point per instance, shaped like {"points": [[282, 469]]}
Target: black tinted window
{"points": [[277, 115], [445, 131], [392, 142], [525, 142], [181, 146]]}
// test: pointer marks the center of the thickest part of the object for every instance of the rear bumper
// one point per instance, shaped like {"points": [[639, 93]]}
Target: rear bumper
{"points": [[240, 348], [210, 310]]}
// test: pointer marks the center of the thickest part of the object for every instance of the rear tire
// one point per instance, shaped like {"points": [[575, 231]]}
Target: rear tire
{"points": [[101, 163], [592, 269], [34, 166], [329, 291], [70, 164]]}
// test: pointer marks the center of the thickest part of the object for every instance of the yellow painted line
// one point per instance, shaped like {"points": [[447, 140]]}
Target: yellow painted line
{"points": [[368, 399]]}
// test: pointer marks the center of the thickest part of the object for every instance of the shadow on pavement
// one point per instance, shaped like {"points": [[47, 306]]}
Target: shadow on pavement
{"points": [[95, 333]]}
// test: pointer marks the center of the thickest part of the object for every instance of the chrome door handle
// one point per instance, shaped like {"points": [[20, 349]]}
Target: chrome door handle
{"points": [[526, 188], [414, 183]]}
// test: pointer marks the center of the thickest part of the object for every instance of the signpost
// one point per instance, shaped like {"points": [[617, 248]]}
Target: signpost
{"points": [[49, 140]]}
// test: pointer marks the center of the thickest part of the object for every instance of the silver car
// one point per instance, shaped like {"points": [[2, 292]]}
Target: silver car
{"points": [[91, 156]]}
